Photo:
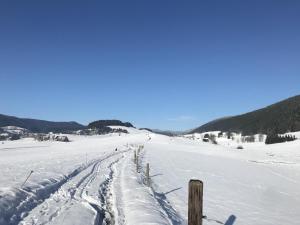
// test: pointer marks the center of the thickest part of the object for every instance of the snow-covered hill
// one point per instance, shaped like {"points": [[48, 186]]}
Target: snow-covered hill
{"points": [[93, 180]]}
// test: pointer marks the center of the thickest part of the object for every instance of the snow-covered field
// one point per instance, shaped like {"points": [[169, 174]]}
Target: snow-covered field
{"points": [[86, 181]]}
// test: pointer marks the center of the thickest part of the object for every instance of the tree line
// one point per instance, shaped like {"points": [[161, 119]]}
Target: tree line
{"points": [[276, 138]]}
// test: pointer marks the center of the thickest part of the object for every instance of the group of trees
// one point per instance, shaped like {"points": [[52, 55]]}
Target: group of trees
{"points": [[228, 135], [249, 139], [211, 137], [11, 137], [2, 138], [270, 139], [101, 131], [104, 123], [50, 137], [102, 127], [275, 138]]}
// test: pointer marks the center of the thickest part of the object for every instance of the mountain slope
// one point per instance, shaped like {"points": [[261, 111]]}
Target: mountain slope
{"points": [[281, 117], [39, 126]]}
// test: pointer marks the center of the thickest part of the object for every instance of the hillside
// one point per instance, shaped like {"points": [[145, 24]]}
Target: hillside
{"points": [[104, 123], [39, 126], [280, 117]]}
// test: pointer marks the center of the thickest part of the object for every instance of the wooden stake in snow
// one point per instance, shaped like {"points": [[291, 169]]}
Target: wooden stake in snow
{"points": [[137, 163], [135, 157], [148, 174], [195, 203], [31, 172]]}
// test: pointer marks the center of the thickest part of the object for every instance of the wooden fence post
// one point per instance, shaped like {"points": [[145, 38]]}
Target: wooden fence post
{"points": [[148, 175], [195, 203], [135, 157], [137, 163]]}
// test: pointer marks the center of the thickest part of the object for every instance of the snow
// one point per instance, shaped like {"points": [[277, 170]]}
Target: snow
{"points": [[86, 181], [259, 185]]}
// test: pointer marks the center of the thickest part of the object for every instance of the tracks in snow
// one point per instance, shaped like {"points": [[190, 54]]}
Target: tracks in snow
{"points": [[104, 211], [92, 195], [83, 196]]}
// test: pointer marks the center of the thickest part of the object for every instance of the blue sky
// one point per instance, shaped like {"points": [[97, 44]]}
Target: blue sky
{"points": [[159, 64]]}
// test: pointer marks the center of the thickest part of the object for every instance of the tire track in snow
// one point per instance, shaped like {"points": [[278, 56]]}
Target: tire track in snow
{"points": [[104, 211], [72, 193]]}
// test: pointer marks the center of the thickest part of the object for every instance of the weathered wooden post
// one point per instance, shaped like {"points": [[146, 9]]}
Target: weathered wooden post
{"points": [[148, 175], [195, 203], [135, 157]]}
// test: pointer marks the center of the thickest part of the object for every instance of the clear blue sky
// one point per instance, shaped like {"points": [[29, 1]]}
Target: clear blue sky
{"points": [[159, 64]]}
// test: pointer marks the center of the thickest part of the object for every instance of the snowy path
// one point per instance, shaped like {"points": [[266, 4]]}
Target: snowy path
{"points": [[82, 197], [107, 191]]}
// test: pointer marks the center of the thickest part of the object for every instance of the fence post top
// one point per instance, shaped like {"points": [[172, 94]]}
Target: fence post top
{"points": [[194, 181]]}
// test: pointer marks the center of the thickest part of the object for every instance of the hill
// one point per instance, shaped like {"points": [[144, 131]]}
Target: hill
{"points": [[104, 123], [280, 117], [167, 132], [39, 126]]}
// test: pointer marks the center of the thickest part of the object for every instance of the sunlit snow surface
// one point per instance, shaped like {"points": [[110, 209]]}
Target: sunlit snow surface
{"points": [[87, 181]]}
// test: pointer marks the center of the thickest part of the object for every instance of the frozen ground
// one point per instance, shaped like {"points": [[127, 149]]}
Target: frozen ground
{"points": [[87, 182]]}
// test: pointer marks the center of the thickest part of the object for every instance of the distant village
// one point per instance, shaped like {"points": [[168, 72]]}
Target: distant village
{"points": [[13, 133]]}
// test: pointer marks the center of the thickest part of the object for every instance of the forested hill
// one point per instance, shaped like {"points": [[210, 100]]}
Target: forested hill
{"points": [[105, 123], [280, 117], [39, 126]]}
